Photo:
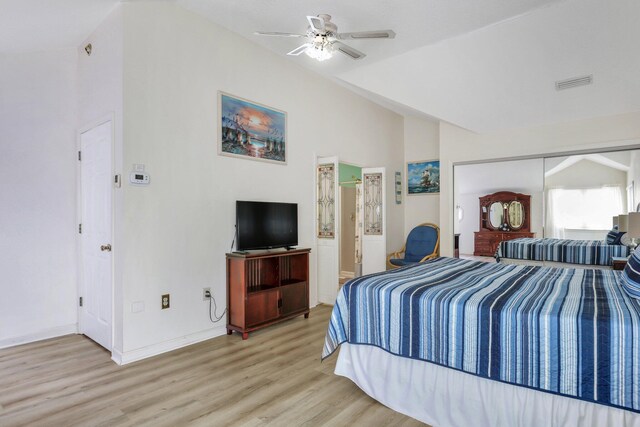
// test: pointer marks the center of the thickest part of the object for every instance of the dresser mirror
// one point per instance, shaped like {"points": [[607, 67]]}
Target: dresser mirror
{"points": [[515, 215], [496, 214], [503, 216]]}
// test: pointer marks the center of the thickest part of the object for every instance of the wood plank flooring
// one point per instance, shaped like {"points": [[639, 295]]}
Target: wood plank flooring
{"points": [[274, 378]]}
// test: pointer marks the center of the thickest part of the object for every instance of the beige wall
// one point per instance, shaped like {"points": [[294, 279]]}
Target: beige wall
{"points": [[460, 145], [421, 142]]}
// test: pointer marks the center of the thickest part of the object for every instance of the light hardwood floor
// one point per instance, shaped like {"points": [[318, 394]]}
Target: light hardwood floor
{"points": [[274, 378]]}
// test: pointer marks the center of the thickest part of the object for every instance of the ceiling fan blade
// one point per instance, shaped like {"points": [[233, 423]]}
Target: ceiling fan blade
{"points": [[277, 34], [316, 24], [348, 50], [300, 49], [380, 34]]}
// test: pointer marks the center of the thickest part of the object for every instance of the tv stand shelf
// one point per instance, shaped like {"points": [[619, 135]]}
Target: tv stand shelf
{"points": [[267, 287]]}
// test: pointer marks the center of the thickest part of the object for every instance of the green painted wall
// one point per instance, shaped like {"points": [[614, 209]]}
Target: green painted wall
{"points": [[347, 172]]}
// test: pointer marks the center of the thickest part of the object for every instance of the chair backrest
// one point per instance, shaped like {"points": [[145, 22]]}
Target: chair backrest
{"points": [[423, 240]]}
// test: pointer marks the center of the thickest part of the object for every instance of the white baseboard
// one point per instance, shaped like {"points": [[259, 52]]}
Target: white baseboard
{"points": [[122, 358], [44, 334]]}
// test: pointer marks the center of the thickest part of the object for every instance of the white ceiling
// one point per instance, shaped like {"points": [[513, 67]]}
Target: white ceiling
{"points": [[502, 76], [41, 25], [416, 22], [602, 159], [481, 64]]}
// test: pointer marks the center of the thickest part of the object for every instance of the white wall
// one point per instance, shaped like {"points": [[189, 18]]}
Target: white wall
{"points": [[178, 229], [421, 139], [459, 145], [588, 174], [100, 97], [475, 181], [37, 196]]}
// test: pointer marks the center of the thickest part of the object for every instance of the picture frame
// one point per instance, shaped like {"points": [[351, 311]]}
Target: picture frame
{"points": [[250, 130], [423, 177]]}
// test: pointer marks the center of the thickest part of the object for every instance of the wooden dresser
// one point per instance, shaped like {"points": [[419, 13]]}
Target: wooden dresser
{"points": [[503, 216]]}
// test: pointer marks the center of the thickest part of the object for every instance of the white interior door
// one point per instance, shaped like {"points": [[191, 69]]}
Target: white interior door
{"points": [[327, 229], [95, 314], [374, 217]]}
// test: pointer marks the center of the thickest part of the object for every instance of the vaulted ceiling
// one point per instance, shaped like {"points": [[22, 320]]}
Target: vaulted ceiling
{"points": [[480, 64], [41, 25]]}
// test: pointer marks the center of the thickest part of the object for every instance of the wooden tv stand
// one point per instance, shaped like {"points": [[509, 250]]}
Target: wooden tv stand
{"points": [[267, 287]]}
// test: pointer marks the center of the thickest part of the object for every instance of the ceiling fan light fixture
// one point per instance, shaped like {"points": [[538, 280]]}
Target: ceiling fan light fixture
{"points": [[323, 39], [320, 49]]}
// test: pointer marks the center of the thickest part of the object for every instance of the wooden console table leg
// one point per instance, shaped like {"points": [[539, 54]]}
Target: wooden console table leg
{"points": [[245, 335], [306, 315], [229, 331]]}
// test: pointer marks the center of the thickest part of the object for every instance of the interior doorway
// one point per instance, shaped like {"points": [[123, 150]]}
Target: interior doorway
{"points": [[349, 177], [370, 243], [96, 231]]}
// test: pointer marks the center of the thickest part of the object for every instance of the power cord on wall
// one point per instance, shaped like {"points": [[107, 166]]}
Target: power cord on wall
{"points": [[215, 309]]}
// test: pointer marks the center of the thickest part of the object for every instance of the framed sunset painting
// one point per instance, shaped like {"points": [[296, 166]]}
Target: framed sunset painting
{"points": [[250, 130], [423, 177]]}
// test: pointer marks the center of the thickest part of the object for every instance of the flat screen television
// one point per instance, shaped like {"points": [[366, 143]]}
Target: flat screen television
{"points": [[266, 225]]}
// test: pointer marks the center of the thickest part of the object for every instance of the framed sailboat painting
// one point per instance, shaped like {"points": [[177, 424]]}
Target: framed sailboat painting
{"points": [[250, 130], [423, 177]]}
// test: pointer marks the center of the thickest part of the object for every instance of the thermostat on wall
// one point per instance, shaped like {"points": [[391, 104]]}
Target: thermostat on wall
{"points": [[139, 178]]}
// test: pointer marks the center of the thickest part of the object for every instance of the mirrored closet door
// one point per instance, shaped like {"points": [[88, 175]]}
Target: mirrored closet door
{"points": [[571, 197]]}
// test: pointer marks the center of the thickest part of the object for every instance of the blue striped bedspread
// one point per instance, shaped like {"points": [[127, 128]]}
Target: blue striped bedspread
{"points": [[573, 332], [586, 252]]}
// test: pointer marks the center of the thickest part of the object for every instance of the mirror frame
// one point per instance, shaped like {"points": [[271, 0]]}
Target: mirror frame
{"points": [[504, 197]]}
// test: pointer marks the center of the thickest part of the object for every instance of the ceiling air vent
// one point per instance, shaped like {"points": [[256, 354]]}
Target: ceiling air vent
{"points": [[574, 82]]}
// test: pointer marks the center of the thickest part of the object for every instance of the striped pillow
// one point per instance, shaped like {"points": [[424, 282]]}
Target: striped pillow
{"points": [[631, 275], [613, 237]]}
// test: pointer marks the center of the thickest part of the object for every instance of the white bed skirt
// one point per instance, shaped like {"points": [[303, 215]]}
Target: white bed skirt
{"points": [[445, 397]]}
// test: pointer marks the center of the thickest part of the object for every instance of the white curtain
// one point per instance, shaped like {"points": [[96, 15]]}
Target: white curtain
{"points": [[582, 209]]}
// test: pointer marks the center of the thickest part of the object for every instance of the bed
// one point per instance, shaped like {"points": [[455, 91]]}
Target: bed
{"points": [[556, 252], [461, 342]]}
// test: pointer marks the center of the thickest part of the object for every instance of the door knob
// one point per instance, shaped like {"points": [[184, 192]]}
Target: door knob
{"points": [[105, 248]]}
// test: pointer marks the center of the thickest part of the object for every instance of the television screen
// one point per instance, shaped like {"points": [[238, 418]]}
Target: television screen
{"points": [[265, 225]]}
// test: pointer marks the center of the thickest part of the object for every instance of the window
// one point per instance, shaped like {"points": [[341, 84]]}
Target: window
{"points": [[582, 209]]}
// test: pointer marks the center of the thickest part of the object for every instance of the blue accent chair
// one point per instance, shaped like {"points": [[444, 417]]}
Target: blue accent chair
{"points": [[423, 243]]}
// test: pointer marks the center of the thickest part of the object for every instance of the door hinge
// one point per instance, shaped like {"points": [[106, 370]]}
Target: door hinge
{"points": [[79, 155], [79, 228], [80, 301], [116, 180]]}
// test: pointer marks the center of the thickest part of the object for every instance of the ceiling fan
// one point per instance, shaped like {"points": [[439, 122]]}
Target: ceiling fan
{"points": [[323, 39]]}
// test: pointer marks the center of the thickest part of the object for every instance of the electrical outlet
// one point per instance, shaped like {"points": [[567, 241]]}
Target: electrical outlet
{"points": [[166, 301], [206, 293]]}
